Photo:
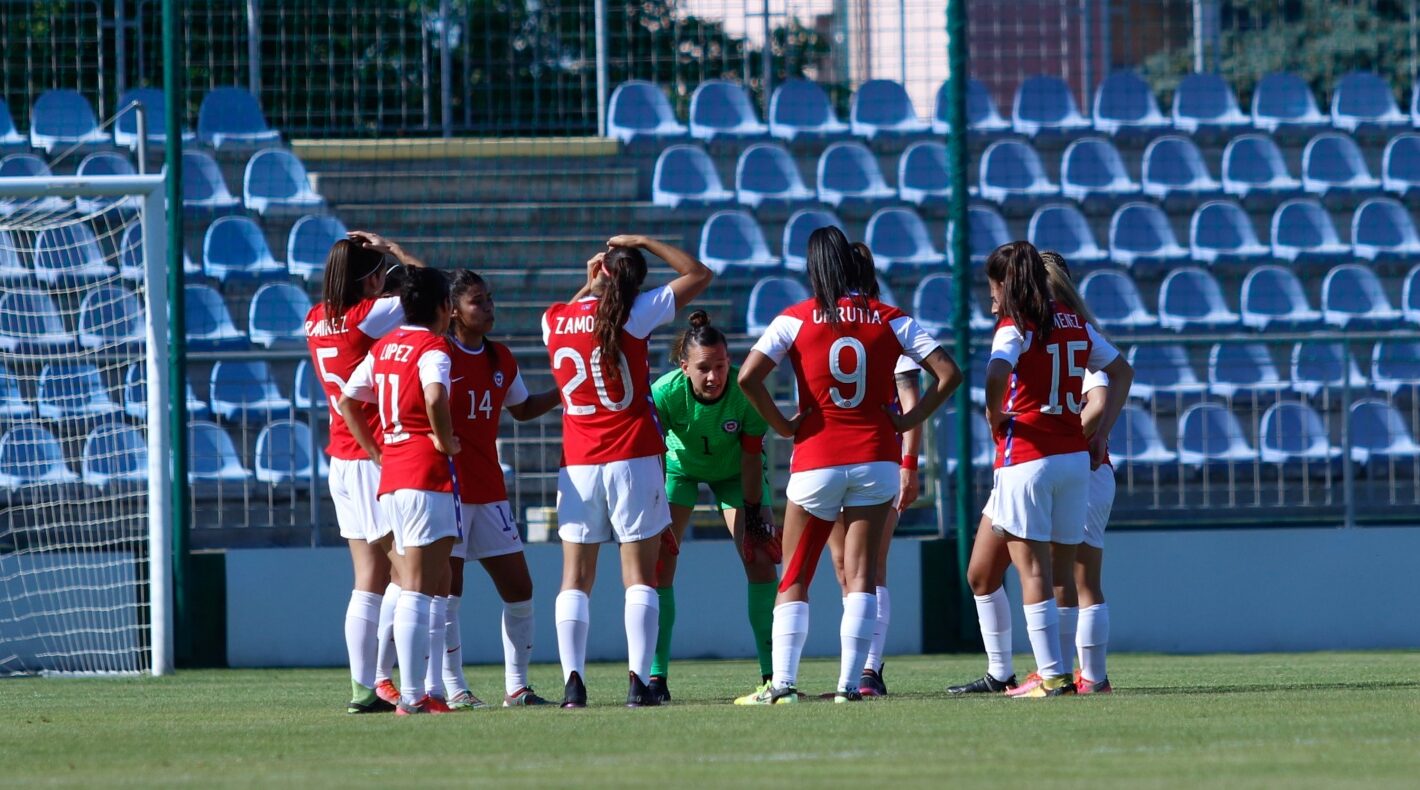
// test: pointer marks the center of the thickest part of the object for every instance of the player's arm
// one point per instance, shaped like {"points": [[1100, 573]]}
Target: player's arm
{"points": [[752, 470], [1093, 412], [537, 404], [1006, 349], [360, 389], [908, 394], [694, 276], [1105, 357], [946, 377], [381, 244], [434, 378], [752, 375]]}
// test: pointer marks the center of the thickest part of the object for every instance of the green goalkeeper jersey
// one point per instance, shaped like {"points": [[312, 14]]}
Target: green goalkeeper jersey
{"points": [[703, 439]]}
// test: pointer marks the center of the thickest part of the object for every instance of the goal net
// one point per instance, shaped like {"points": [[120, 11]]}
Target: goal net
{"points": [[84, 528]]}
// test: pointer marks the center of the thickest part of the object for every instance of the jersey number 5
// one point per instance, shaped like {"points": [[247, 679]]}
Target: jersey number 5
{"points": [[1072, 402], [579, 377]]}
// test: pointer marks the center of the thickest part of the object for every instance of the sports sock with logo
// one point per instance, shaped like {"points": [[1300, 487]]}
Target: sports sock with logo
{"points": [[1093, 641], [761, 622], [880, 629], [855, 634], [362, 622], [642, 623], [454, 681], [791, 630], [384, 636], [661, 664], [438, 638], [517, 644], [411, 640], [1069, 620], [993, 612], [1043, 623], [573, 614]]}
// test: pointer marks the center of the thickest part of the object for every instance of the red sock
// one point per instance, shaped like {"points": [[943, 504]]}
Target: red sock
{"points": [[804, 562]]}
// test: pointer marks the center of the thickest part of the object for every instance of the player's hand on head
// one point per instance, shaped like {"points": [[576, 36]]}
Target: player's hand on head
{"points": [[626, 240], [373, 241], [594, 266]]}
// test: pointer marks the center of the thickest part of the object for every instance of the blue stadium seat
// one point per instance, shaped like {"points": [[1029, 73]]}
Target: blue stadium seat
{"points": [[719, 108], [10, 138], [983, 447], [982, 117], [1164, 377], [1140, 236], [638, 110], [885, 292], [73, 392], [766, 173], [1281, 101], [276, 180], [1302, 234], [245, 392], [1352, 298], [1253, 165], [1206, 103], [203, 188], [105, 163], [209, 324], [1092, 169], [1011, 172], [1124, 104], [13, 270], [899, 240], [277, 315], [30, 323], [283, 454], [309, 243], [1210, 438], [1382, 230], [800, 109], [685, 176], [1415, 105], [1135, 442], [1245, 372], [732, 243], [1190, 300], [30, 455], [125, 127], [1395, 368], [130, 258], [1272, 297], [1363, 99], [28, 166], [235, 249], [770, 297], [1044, 105], [1174, 169], [801, 225], [110, 316], [232, 117], [135, 396], [985, 232], [211, 456], [934, 307], [1062, 228], [1410, 296], [308, 391], [13, 407], [70, 254], [61, 119], [1381, 440], [1220, 232], [1323, 370], [882, 108], [114, 453], [1400, 165], [922, 177], [848, 173], [1332, 164], [1293, 438], [1114, 299]]}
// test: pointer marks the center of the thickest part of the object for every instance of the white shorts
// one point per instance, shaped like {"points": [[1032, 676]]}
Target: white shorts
{"points": [[825, 492], [1045, 499], [488, 531], [623, 501], [419, 518], [354, 487], [1101, 502]]}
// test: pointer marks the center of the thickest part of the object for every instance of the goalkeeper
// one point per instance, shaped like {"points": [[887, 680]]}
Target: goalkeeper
{"points": [[714, 436]]}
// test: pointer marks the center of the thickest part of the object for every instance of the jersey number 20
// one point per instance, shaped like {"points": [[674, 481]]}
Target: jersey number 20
{"points": [[579, 377]]}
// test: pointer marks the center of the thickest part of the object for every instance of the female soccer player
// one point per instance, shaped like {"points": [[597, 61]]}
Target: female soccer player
{"points": [[611, 483], [340, 330], [843, 346], [485, 381], [714, 437], [406, 374]]}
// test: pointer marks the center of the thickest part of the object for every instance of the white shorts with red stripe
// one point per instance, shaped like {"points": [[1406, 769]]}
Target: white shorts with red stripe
{"points": [[1044, 500], [488, 531]]}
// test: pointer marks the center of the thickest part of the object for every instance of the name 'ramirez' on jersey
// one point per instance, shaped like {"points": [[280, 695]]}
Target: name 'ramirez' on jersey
{"points": [[703, 438]]}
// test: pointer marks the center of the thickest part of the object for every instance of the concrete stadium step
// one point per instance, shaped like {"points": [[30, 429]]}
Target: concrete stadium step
{"points": [[412, 219], [531, 251], [513, 185]]}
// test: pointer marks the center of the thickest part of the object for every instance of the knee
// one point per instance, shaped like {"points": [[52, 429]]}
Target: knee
{"points": [[982, 581]]}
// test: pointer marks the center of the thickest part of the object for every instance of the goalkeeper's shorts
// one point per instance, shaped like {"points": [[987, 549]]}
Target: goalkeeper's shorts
{"points": [[683, 490]]}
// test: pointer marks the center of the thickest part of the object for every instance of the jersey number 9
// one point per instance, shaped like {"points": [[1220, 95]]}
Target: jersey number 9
{"points": [[858, 377]]}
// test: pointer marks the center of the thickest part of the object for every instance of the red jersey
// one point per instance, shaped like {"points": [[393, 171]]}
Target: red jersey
{"points": [[337, 348], [479, 389], [393, 377], [1046, 386], [602, 420], [845, 373]]}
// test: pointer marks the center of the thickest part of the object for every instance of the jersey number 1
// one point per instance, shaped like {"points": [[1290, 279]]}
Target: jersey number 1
{"points": [[1074, 371]]}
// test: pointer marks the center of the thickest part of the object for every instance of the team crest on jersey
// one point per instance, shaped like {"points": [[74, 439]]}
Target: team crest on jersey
{"points": [[498, 378], [731, 426]]}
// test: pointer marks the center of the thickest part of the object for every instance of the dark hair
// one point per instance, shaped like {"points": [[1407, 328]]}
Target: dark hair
{"points": [[1025, 288], [395, 278], [833, 271], [464, 281], [867, 274], [346, 266], [425, 291], [627, 268], [699, 333]]}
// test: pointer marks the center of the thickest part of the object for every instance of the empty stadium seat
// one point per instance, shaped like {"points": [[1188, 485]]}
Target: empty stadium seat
{"points": [[1044, 105], [1124, 104], [1410, 296], [284, 451], [232, 117], [61, 119], [801, 225], [1135, 442], [278, 315], [105, 163], [1382, 230], [800, 109], [110, 315], [235, 249], [1380, 437], [245, 392], [766, 173], [125, 126], [1190, 300], [719, 108], [1209, 437], [30, 323], [1281, 101], [770, 297], [1243, 371], [1253, 165], [1293, 437], [1141, 236], [1164, 377], [1352, 298], [1272, 297], [922, 175], [1206, 103], [982, 117], [899, 240], [1302, 233], [135, 396], [69, 254], [1091, 169], [848, 173], [114, 453], [983, 447], [1363, 99], [1114, 299], [1011, 172], [1332, 164], [208, 323], [1324, 369], [639, 110], [28, 166], [882, 108], [203, 188], [685, 176], [1220, 232], [308, 391], [12, 402], [1174, 169], [130, 257], [30, 455], [276, 180], [309, 243], [1400, 165], [732, 243], [885, 292], [10, 137], [211, 456], [934, 307], [1395, 368], [987, 231], [73, 392], [12, 268], [1062, 228]]}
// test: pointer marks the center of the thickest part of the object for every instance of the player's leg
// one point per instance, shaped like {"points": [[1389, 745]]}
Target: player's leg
{"points": [[1067, 601], [665, 569], [763, 582], [639, 514], [1092, 639], [385, 656], [583, 524], [871, 683], [986, 575], [352, 488], [438, 632], [510, 576], [459, 695], [862, 541]]}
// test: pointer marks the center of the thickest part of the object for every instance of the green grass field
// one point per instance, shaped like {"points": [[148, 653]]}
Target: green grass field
{"points": [[1313, 720]]}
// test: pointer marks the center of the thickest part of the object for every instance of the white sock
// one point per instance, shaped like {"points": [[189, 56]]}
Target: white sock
{"points": [[362, 623], [573, 616], [384, 644], [438, 638], [517, 644], [1093, 640], [880, 629], [454, 681], [993, 612], [643, 624], [791, 630], [1043, 623], [1069, 619], [411, 641], [855, 635]]}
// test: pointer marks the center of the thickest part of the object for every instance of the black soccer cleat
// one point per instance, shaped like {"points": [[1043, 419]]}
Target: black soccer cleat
{"points": [[658, 689], [871, 684], [984, 685], [639, 694], [575, 695], [375, 705]]}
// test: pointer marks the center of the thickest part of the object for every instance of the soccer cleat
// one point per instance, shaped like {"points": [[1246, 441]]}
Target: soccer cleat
{"points": [[639, 695], [364, 700], [403, 709], [523, 696], [1037, 687], [436, 705], [659, 689], [847, 695], [575, 694], [871, 684], [1086, 686], [984, 685], [386, 691], [768, 695], [465, 700]]}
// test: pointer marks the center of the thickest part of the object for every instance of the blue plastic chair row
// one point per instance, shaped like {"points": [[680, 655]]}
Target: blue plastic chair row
{"points": [[62, 118]]}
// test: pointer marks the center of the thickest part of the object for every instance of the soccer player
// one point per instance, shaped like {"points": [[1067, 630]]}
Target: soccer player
{"points": [[406, 374], [843, 346], [485, 381], [611, 485], [714, 437], [340, 329]]}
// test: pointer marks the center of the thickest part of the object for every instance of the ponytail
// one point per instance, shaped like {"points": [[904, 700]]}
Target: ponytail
{"points": [[626, 268], [1062, 288], [1025, 289], [834, 272], [699, 333], [346, 266]]}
